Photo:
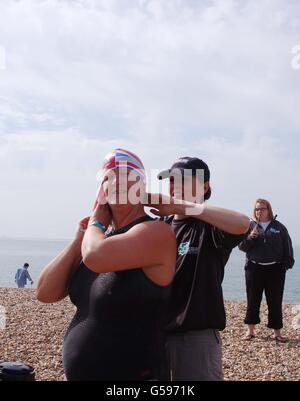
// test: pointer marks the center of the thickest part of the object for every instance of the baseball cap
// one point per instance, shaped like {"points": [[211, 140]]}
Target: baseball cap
{"points": [[186, 164]]}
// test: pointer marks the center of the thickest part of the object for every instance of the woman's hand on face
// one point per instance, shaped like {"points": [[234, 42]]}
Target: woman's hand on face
{"points": [[103, 214], [82, 226], [101, 210]]}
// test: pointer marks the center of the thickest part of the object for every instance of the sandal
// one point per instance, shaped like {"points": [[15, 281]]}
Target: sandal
{"points": [[249, 337], [280, 339]]}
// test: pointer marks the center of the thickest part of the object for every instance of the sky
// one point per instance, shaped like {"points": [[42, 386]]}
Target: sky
{"points": [[219, 80]]}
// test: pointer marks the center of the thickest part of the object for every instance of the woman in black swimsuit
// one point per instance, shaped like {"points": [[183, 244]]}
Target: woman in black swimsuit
{"points": [[118, 279]]}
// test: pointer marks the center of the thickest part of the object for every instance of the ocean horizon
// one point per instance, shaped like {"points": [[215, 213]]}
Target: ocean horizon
{"points": [[38, 252]]}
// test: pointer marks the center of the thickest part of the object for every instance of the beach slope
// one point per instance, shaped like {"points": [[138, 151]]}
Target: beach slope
{"points": [[34, 333]]}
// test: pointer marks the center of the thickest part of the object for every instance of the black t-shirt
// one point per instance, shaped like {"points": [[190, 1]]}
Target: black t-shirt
{"points": [[204, 266]]}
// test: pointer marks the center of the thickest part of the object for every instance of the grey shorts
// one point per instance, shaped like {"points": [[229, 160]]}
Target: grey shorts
{"points": [[195, 355]]}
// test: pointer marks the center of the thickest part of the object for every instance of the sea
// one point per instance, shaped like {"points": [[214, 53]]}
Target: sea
{"points": [[15, 252]]}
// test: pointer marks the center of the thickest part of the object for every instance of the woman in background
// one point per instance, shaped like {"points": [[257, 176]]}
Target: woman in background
{"points": [[269, 253]]}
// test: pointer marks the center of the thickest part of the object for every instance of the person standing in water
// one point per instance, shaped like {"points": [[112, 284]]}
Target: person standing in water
{"points": [[22, 276]]}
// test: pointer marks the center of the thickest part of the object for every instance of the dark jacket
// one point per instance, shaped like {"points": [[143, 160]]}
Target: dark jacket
{"points": [[272, 245]]}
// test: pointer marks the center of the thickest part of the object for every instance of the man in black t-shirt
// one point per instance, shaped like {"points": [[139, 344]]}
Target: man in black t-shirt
{"points": [[205, 237]]}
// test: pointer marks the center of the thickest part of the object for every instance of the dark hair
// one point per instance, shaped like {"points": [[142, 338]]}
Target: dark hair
{"points": [[26, 264], [194, 164], [207, 195]]}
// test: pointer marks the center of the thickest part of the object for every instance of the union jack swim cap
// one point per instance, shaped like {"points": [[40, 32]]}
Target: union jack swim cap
{"points": [[119, 158]]}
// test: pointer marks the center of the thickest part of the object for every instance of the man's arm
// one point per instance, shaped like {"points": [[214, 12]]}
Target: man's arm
{"points": [[28, 276], [226, 220]]}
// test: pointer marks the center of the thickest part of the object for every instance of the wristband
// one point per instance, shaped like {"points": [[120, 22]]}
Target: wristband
{"points": [[98, 224]]}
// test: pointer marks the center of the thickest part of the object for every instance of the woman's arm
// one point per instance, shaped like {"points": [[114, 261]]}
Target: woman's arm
{"points": [[288, 252], [54, 279], [148, 245], [247, 244]]}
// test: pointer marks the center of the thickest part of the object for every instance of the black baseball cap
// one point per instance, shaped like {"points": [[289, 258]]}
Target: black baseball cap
{"points": [[191, 164]]}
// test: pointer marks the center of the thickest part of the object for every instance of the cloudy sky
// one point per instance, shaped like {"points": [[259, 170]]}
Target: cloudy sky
{"points": [[164, 78]]}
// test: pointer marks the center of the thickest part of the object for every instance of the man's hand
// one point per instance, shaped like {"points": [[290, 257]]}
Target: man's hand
{"points": [[167, 206], [163, 204]]}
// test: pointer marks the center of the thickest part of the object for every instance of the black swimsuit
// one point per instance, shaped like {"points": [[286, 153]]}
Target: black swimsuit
{"points": [[115, 333]]}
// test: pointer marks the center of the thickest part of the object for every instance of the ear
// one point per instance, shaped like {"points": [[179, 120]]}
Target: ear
{"points": [[206, 186]]}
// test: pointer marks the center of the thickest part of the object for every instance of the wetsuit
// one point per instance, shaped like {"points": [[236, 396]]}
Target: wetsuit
{"points": [[115, 333]]}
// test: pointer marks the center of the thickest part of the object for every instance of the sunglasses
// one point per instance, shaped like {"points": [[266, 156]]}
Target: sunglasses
{"points": [[262, 209]]}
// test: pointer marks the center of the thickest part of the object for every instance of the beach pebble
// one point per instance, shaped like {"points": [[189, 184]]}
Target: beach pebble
{"points": [[34, 334]]}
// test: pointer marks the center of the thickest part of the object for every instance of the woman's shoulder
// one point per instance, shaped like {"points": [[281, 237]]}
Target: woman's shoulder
{"points": [[154, 232], [279, 225], [162, 241], [158, 226]]}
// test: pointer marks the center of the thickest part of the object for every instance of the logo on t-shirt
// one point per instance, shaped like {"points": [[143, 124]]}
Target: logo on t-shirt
{"points": [[183, 248]]}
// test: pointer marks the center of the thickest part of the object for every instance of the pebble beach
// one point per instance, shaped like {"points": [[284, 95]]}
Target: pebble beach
{"points": [[33, 333]]}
